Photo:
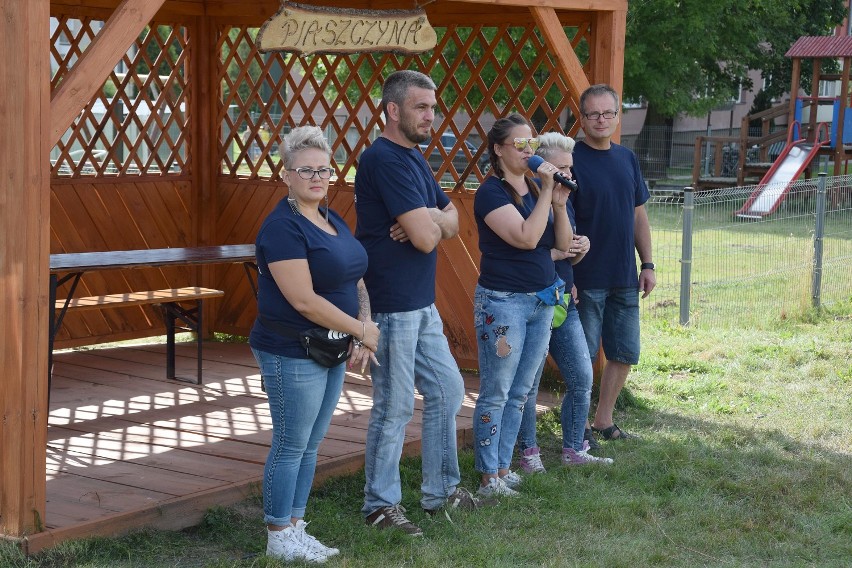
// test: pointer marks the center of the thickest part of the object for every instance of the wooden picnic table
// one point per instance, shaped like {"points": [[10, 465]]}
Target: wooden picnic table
{"points": [[74, 265]]}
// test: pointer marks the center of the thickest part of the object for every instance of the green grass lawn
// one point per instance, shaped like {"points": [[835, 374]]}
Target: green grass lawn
{"points": [[745, 460]]}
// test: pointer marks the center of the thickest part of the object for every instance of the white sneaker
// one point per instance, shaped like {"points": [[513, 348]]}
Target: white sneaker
{"points": [[287, 546], [496, 487], [311, 542], [512, 479]]}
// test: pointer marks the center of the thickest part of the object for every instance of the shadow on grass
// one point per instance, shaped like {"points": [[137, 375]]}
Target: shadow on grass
{"points": [[691, 491], [720, 493]]}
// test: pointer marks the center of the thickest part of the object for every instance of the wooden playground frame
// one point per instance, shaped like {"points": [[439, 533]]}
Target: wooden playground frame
{"points": [[819, 49]]}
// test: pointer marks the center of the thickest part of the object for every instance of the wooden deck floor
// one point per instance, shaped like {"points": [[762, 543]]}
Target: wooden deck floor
{"points": [[128, 448]]}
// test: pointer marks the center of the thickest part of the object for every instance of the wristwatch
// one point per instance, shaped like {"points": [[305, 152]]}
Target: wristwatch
{"points": [[647, 266]]}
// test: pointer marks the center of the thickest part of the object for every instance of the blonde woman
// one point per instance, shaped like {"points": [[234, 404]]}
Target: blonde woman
{"points": [[567, 342], [310, 276]]}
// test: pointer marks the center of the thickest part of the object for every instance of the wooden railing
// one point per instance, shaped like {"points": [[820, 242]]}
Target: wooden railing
{"points": [[729, 156], [767, 136]]}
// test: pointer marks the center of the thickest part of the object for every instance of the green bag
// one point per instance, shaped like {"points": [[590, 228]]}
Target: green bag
{"points": [[559, 315]]}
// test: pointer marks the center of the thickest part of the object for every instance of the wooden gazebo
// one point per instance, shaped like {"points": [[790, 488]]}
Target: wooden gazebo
{"points": [[150, 124]]}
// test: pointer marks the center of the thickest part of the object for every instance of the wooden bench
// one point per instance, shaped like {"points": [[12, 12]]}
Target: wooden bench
{"points": [[168, 300]]}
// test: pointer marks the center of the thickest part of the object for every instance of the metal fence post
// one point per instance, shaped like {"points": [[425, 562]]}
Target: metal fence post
{"points": [[819, 233], [686, 254], [707, 151]]}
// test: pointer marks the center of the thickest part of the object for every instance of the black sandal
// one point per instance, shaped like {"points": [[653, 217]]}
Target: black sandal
{"points": [[589, 437], [613, 433]]}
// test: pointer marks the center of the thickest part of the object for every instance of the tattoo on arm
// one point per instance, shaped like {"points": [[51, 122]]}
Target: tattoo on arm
{"points": [[364, 312]]}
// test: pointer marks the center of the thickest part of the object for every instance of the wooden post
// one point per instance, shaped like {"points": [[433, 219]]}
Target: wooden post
{"points": [[204, 158], [812, 119], [204, 146], [608, 33], [794, 90], [839, 149], [24, 261]]}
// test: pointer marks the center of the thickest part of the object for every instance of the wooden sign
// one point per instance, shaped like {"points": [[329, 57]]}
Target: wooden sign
{"points": [[306, 29]]}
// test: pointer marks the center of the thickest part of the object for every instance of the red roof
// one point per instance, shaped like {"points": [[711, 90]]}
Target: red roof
{"points": [[821, 46]]}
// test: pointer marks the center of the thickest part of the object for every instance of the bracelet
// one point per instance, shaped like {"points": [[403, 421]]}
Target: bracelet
{"points": [[360, 342]]}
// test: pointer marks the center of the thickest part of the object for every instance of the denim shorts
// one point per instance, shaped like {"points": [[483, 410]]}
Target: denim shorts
{"points": [[610, 316]]}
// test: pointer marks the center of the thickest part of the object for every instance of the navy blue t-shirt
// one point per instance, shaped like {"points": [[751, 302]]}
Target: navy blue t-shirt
{"points": [[393, 180], [503, 267], [336, 263], [564, 268], [612, 188]]}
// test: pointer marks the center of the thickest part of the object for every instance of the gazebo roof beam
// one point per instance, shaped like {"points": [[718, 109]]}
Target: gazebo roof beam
{"points": [[567, 61], [590, 5], [98, 61]]}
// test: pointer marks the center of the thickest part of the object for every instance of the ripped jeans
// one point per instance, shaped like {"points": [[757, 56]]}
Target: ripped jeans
{"points": [[513, 331]]}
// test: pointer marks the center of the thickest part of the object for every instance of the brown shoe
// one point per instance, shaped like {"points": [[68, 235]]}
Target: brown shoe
{"points": [[393, 517], [461, 499]]}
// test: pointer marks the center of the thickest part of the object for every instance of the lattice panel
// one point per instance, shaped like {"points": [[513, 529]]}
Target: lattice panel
{"points": [[138, 123], [482, 72]]}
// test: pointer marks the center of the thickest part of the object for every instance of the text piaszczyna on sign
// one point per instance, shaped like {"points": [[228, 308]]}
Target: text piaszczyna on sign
{"points": [[303, 29]]}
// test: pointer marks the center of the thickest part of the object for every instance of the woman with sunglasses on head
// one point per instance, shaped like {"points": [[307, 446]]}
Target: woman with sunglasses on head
{"points": [[519, 223], [567, 342], [309, 276]]}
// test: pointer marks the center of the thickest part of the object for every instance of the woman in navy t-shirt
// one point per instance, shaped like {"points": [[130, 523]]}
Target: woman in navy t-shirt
{"points": [[567, 344], [518, 286], [310, 270]]}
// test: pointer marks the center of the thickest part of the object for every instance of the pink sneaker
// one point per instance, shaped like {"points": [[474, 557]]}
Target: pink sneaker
{"points": [[531, 461], [570, 456]]}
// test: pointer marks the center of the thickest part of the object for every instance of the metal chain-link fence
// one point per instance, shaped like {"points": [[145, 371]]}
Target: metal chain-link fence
{"points": [[751, 256]]}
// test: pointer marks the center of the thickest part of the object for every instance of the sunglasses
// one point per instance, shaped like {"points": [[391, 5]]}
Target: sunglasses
{"points": [[521, 143]]}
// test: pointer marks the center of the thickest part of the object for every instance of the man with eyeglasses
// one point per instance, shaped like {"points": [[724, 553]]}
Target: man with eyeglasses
{"points": [[610, 210], [403, 215]]}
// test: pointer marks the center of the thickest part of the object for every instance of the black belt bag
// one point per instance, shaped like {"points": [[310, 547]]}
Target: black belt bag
{"points": [[327, 347]]}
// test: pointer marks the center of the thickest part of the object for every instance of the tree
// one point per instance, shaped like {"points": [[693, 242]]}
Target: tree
{"points": [[690, 56]]}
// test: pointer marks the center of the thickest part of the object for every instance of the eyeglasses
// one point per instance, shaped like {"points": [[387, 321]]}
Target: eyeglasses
{"points": [[309, 173], [521, 143], [607, 114]]}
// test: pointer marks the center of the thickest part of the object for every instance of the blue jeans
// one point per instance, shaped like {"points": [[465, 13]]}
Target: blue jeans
{"points": [[513, 330], [413, 352], [569, 350], [302, 398], [610, 317]]}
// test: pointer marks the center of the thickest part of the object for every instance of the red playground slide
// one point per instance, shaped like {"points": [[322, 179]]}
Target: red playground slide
{"points": [[773, 188]]}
